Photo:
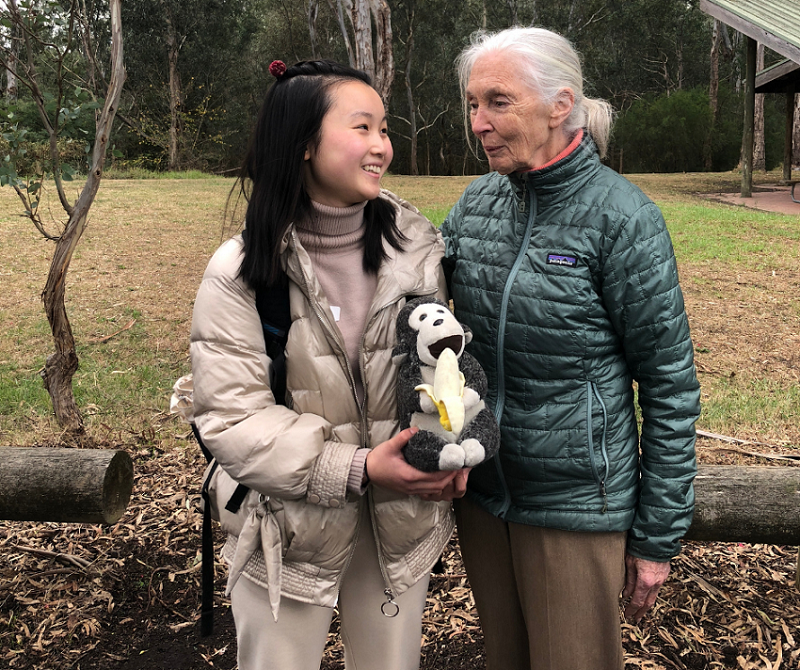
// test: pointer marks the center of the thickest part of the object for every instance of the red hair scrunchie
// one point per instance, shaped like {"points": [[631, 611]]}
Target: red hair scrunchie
{"points": [[277, 68]]}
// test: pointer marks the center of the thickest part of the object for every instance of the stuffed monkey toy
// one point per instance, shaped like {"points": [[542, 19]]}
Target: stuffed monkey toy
{"points": [[440, 390]]}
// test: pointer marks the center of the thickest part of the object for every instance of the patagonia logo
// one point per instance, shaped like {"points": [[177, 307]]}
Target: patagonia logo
{"points": [[558, 259]]}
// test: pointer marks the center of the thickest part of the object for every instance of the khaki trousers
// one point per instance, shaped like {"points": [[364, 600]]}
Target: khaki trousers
{"points": [[371, 640], [547, 599]]}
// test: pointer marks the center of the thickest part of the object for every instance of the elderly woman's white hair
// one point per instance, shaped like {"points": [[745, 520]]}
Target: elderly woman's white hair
{"points": [[550, 64]]}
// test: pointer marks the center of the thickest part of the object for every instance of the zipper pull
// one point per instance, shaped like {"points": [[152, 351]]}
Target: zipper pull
{"points": [[605, 497], [521, 205], [390, 608]]}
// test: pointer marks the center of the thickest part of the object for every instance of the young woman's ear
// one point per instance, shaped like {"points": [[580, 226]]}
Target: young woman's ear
{"points": [[307, 154]]}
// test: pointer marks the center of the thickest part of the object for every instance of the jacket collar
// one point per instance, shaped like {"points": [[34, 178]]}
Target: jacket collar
{"points": [[561, 179], [401, 274]]}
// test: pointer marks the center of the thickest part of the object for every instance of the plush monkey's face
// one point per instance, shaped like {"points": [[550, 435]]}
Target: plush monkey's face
{"points": [[437, 330]]}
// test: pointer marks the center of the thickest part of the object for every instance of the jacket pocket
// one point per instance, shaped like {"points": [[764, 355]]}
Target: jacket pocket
{"points": [[312, 534], [598, 453], [404, 522]]}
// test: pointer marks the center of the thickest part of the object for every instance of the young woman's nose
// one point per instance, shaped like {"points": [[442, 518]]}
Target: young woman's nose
{"points": [[380, 144]]}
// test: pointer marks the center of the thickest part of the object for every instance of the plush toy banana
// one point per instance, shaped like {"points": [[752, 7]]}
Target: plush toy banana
{"points": [[447, 392]]}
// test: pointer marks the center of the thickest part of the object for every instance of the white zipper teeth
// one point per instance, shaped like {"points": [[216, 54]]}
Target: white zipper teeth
{"points": [[388, 591], [381, 563]]}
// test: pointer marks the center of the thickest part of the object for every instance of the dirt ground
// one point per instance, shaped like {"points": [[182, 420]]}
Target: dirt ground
{"points": [[126, 597]]}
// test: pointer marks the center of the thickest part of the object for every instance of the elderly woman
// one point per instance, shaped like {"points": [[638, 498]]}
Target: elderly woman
{"points": [[566, 275]]}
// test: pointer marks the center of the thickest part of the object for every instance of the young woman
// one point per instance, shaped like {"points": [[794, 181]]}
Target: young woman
{"points": [[337, 516]]}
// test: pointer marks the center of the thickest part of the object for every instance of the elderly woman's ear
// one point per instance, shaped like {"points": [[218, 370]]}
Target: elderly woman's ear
{"points": [[562, 107]]}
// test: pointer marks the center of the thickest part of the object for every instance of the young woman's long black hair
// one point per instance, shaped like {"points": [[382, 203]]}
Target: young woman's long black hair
{"points": [[271, 179]]}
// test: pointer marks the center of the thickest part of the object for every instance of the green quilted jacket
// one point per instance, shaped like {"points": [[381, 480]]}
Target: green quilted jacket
{"points": [[568, 280]]}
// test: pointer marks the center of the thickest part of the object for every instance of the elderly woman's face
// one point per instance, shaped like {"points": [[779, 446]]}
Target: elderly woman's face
{"points": [[517, 130]]}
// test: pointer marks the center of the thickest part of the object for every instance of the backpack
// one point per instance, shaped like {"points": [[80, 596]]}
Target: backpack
{"points": [[272, 304]]}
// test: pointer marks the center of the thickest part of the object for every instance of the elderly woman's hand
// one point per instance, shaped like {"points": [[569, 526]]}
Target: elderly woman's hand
{"points": [[455, 489], [643, 579]]}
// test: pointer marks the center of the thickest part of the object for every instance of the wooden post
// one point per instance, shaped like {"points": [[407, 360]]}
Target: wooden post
{"points": [[66, 485], [787, 139], [749, 118]]}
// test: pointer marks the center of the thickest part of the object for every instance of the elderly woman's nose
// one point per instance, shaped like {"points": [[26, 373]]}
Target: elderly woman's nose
{"points": [[480, 121]]}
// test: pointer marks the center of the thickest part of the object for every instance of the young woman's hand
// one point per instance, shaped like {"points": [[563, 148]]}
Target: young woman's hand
{"points": [[386, 467]]}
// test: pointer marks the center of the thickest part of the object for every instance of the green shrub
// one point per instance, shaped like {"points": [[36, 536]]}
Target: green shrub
{"points": [[665, 133], [31, 156], [673, 133]]}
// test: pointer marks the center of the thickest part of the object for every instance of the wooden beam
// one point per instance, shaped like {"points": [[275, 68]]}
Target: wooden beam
{"points": [[780, 78], [66, 485], [749, 119], [757, 505], [751, 30]]}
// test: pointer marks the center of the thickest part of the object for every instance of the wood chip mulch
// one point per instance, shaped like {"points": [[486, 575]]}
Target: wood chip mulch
{"points": [[84, 596]]}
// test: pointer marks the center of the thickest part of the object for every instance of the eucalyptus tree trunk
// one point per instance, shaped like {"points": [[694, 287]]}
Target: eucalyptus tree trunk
{"points": [[378, 64], [361, 20], [384, 58], [713, 94], [759, 150], [412, 113], [63, 362], [312, 11], [175, 93], [13, 56]]}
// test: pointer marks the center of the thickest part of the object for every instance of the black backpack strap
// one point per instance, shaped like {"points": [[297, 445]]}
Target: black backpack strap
{"points": [[203, 447], [207, 561], [272, 303]]}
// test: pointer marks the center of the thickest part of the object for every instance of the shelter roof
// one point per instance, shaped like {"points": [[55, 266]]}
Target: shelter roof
{"points": [[774, 23]]}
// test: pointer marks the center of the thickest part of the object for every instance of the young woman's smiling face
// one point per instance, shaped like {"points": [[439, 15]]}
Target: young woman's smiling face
{"points": [[354, 150]]}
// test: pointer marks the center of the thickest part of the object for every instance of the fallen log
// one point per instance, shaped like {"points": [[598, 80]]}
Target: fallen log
{"points": [[757, 505], [66, 485]]}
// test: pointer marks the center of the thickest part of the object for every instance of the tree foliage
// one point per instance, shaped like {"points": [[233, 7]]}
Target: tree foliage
{"points": [[197, 70]]}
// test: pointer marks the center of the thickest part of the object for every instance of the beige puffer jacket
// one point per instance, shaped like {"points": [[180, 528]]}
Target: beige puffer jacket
{"points": [[305, 521]]}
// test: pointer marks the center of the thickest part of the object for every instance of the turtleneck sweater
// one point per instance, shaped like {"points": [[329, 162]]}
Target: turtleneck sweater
{"points": [[334, 239]]}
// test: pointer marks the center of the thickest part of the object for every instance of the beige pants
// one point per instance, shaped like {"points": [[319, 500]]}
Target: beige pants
{"points": [[547, 599], [371, 640]]}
